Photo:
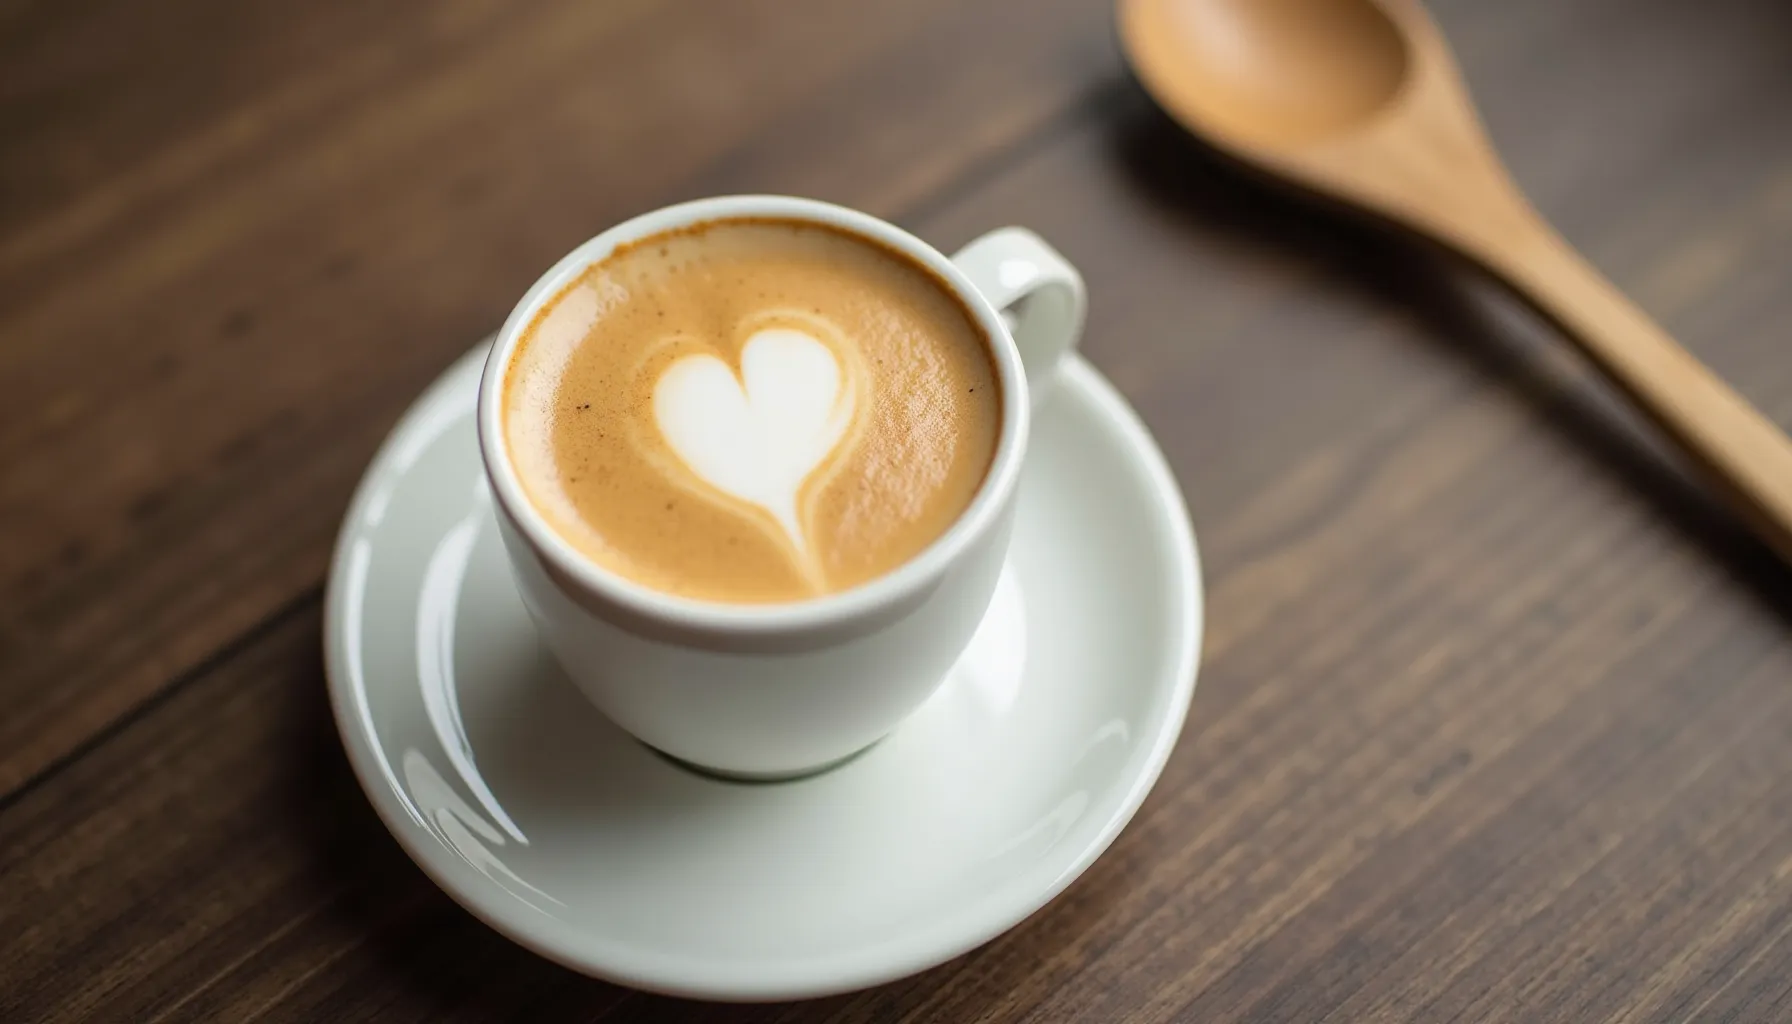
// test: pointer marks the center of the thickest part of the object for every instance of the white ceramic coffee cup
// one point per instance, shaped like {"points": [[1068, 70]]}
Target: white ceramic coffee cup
{"points": [[777, 690]]}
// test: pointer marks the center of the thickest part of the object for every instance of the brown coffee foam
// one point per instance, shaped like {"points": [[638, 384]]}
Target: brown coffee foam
{"points": [[583, 437]]}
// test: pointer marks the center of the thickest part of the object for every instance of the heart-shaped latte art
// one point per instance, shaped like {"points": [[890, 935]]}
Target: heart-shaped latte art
{"points": [[758, 436]]}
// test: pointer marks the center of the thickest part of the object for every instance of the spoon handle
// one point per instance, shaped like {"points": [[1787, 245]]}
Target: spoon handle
{"points": [[1749, 456]]}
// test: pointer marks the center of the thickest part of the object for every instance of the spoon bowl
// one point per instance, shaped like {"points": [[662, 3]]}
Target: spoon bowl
{"points": [[1360, 102], [1275, 72]]}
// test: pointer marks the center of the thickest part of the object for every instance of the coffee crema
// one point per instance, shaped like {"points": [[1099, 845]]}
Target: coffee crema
{"points": [[752, 410]]}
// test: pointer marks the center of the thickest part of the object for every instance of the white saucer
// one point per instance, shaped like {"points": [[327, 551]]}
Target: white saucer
{"points": [[557, 829]]}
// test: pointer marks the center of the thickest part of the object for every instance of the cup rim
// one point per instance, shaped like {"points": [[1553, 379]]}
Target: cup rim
{"points": [[624, 600]]}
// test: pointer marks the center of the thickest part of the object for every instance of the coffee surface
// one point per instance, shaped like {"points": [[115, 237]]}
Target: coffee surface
{"points": [[752, 410]]}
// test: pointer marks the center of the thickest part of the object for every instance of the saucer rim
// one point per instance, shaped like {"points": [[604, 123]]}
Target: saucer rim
{"points": [[907, 953]]}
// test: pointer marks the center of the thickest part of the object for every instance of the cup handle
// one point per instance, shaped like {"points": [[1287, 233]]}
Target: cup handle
{"points": [[1039, 295]]}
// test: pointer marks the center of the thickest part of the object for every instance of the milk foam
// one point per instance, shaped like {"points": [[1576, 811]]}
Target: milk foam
{"points": [[751, 411], [532, 386], [759, 436]]}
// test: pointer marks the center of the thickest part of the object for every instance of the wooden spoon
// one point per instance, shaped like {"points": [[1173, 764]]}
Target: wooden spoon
{"points": [[1360, 101]]}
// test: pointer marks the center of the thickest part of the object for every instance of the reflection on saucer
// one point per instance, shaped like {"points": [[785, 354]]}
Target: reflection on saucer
{"points": [[463, 829], [438, 601]]}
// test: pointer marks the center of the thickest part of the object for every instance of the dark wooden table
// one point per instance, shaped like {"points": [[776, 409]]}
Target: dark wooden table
{"points": [[1495, 720]]}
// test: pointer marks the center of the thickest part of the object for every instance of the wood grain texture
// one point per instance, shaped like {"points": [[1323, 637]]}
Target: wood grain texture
{"points": [[1495, 719]]}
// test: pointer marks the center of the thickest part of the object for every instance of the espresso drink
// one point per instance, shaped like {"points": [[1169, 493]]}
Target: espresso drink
{"points": [[752, 410]]}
